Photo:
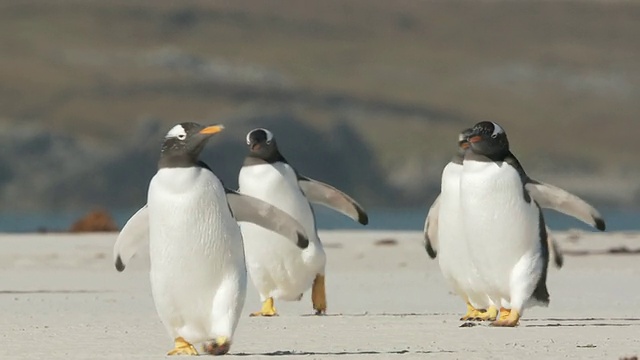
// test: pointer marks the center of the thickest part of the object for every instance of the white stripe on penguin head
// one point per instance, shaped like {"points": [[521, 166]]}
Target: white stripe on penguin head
{"points": [[267, 132], [176, 132], [496, 130]]}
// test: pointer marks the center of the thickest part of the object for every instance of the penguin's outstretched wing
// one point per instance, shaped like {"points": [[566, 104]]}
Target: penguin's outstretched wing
{"points": [[431, 229], [133, 235], [249, 209], [555, 198], [327, 195], [552, 197]]}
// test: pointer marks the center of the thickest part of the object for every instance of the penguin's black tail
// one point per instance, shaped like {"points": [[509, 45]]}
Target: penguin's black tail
{"points": [[541, 295]]}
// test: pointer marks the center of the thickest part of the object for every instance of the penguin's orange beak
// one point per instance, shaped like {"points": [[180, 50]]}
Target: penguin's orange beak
{"points": [[465, 145], [210, 130], [475, 139]]}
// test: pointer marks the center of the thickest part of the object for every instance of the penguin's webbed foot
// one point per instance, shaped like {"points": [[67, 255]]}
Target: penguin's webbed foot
{"points": [[183, 348], [264, 313], [219, 346], [319, 296], [268, 309], [489, 315], [472, 313], [320, 312], [508, 318], [477, 315]]}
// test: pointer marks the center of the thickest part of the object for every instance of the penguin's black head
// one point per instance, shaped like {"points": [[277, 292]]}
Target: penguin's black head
{"points": [[184, 142], [489, 139], [262, 145]]}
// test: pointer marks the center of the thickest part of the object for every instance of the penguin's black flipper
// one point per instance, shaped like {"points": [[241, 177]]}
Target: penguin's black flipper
{"points": [[327, 195], [431, 229], [133, 235]]}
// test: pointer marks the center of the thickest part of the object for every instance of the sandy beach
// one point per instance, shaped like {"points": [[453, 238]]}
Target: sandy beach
{"points": [[61, 298]]}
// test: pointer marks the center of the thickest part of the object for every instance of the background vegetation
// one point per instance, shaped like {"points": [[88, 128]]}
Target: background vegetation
{"points": [[367, 95]]}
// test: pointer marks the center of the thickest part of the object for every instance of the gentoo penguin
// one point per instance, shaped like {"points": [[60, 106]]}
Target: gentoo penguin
{"points": [[444, 225], [547, 196], [504, 226], [198, 273], [453, 256], [277, 269]]}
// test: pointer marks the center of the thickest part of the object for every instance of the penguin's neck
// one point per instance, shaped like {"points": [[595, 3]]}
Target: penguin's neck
{"points": [[457, 159], [254, 159], [497, 158], [177, 160]]}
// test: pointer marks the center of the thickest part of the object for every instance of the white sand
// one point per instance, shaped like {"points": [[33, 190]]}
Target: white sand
{"points": [[61, 298]]}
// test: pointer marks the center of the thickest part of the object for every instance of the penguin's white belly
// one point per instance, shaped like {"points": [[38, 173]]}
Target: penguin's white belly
{"points": [[278, 268], [453, 255], [501, 227], [198, 274]]}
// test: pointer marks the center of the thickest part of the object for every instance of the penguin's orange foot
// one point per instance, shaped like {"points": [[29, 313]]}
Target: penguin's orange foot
{"points": [[219, 346], [268, 309], [472, 313], [504, 313], [320, 310], [183, 348], [489, 315], [263, 313], [319, 296], [509, 319], [477, 314]]}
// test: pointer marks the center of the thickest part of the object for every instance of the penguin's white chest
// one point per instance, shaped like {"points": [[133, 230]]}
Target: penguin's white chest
{"points": [[501, 227], [196, 252], [453, 253], [277, 267], [450, 232]]}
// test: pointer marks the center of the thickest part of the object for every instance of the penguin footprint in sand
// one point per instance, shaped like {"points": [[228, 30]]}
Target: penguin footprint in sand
{"points": [[198, 273], [278, 269]]}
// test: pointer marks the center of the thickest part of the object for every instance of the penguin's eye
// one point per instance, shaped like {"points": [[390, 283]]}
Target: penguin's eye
{"points": [[182, 136], [268, 142], [494, 135]]}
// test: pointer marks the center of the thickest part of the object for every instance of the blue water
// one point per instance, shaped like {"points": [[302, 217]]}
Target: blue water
{"points": [[413, 219], [379, 219]]}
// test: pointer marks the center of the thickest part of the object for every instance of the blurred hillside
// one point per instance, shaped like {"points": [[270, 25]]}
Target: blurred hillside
{"points": [[367, 95]]}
